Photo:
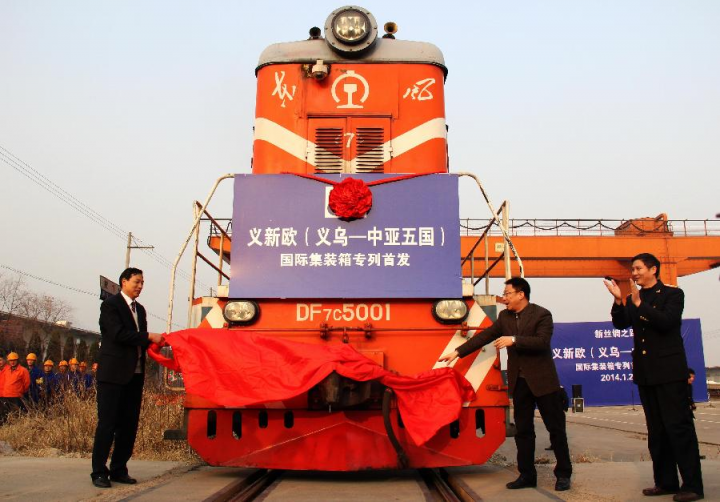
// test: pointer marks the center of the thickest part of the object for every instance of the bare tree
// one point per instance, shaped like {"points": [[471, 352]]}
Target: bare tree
{"points": [[44, 308], [13, 292], [27, 309]]}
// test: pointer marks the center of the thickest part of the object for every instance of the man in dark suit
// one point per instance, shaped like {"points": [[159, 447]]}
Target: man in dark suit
{"points": [[660, 371], [525, 330], [120, 378]]}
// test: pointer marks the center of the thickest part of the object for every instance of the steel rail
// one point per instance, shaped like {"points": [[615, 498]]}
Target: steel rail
{"points": [[446, 488], [246, 489]]}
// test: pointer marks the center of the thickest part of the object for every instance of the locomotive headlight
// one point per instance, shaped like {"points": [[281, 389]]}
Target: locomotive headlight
{"points": [[450, 311], [350, 29], [351, 26], [241, 312]]}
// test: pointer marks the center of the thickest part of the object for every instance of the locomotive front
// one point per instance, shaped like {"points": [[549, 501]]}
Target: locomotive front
{"points": [[347, 232]]}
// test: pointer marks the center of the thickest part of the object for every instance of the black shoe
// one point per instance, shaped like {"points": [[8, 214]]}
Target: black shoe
{"points": [[562, 484], [101, 481], [687, 497], [522, 482], [656, 491], [123, 478]]}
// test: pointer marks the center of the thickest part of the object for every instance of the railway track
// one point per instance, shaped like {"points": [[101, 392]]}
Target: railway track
{"points": [[247, 489], [436, 485]]}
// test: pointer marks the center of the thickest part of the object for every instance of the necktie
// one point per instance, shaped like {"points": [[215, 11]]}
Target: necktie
{"points": [[132, 305]]}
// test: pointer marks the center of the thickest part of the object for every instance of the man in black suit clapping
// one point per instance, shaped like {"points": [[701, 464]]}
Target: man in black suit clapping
{"points": [[120, 379], [660, 371]]}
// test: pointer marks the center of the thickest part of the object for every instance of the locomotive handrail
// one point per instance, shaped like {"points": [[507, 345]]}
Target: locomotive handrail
{"points": [[506, 236], [184, 247], [598, 227]]}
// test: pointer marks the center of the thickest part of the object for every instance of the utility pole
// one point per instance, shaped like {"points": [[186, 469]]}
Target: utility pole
{"points": [[130, 246]]}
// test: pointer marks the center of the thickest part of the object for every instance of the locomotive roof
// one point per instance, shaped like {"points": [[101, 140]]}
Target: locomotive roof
{"points": [[383, 51]]}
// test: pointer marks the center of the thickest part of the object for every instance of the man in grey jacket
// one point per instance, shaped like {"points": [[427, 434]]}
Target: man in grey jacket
{"points": [[525, 330]]}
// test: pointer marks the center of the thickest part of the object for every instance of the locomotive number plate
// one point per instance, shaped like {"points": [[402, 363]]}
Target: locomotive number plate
{"points": [[347, 312]]}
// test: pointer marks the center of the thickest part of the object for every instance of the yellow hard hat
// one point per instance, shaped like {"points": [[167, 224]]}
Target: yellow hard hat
{"points": [[49, 363], [12, 356], [63, 363], [31, 356], [73, 361]]}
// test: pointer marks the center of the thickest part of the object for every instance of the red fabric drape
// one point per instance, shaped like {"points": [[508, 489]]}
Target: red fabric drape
{"points": [[232, 369]]}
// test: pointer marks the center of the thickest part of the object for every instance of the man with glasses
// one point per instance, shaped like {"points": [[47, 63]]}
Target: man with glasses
{"points": [[525, 330]]}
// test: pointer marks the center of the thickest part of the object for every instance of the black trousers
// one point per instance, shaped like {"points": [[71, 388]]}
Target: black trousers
{"points": [[118, 417], [672, 440], [553, 416]]}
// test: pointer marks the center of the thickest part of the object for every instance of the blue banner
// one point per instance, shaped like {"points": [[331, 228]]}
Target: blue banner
{"points": [[286, 242], [599, 357]]}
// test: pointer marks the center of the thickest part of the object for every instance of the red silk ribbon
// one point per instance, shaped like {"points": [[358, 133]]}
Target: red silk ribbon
{"points": [[234, 368]]}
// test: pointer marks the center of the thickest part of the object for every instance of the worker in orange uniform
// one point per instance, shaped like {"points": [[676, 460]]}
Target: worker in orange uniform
{"points": [[3, 369], [16, 384]]}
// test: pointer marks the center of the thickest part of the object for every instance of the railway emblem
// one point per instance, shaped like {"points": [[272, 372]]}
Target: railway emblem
{"points": [[350, 88], [420, 90], [281, 89]]}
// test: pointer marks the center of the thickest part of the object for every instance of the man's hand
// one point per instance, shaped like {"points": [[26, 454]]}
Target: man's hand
{"points": [[155, 337], [449, 358], [614, 290], [503, 342], [635, 293]]}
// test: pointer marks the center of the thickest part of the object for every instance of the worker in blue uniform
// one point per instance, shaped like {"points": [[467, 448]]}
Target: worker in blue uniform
{"points": [[49, 384], [35, 374], [87, 378]]}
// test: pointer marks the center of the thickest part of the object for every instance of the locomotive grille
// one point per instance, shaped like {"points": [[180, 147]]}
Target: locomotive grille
{"points": [[328, 152], [370, 150]]}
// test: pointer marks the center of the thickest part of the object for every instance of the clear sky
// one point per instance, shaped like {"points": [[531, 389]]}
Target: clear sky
{"points": [[569, 109]]}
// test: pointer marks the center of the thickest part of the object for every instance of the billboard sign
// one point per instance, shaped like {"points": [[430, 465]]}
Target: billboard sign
{"points": [[598, 356], [287, 243], [108, 288]]}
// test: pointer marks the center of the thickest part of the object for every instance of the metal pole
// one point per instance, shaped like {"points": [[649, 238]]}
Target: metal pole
{"points": [[487, 264], [472, 267], [129, 247], [193, 270], [220, 254], [127, 251], [506, 226]]}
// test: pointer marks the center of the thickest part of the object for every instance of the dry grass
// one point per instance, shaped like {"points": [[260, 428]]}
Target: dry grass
{"points": [[67, 427]]}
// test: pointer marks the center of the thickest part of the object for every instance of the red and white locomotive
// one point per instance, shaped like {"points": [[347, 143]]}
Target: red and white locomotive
{"points": [[348, 105]]}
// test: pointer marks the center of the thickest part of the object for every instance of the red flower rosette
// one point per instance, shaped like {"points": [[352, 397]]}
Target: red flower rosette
{"points": [[350, 199]]}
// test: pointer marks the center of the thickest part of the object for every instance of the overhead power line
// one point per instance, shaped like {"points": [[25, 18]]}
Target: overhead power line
{"points": [[70, 288], [54, 189], [48, 281]]}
